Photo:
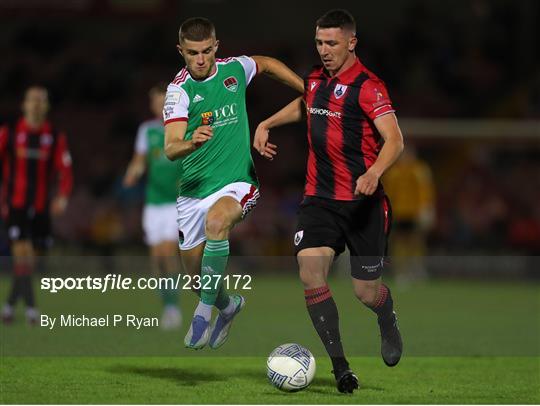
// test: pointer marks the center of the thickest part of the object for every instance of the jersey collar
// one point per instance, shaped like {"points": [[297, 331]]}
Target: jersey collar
{"points": [[22, 126], [343, 76]]}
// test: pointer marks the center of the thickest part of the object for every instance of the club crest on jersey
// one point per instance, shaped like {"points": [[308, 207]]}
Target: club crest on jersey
{"points": [[339, 91], [207, 118], [298, 237], [231, 84], [378, 94]]}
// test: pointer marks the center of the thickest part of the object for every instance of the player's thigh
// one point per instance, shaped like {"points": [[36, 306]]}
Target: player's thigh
{"points": [[231, 204], [22, 248], [223, 214], [166, 256], [366, 235], [169, 248]]}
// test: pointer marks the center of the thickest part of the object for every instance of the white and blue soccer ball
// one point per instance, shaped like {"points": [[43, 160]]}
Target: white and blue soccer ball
{"points": [[291, 367]]}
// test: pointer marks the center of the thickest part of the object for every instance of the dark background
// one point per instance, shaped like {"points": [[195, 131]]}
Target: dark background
{"points": [[463, 63]]}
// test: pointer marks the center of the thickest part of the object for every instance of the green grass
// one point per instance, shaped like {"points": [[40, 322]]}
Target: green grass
{"points": [[465, 342], [195, 380]]}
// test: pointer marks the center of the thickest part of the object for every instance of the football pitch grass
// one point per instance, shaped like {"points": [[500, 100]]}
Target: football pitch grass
{"points": [[192, 380], [465, 342]]}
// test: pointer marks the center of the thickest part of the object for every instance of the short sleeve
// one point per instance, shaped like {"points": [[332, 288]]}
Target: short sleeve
{"points": [[176, 105], [141, 142], [374, 99], [250, 67]]}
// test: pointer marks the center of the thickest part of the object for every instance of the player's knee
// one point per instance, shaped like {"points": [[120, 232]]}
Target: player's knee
{"points": [[312, 280], [216, 225], [366, 293]]}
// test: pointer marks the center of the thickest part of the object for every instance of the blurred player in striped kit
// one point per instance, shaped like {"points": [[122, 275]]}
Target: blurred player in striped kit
{"points": [[35, 163], [159, 214]]}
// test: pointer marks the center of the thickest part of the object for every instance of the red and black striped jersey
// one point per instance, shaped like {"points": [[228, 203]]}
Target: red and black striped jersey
{"points": [[343, 141], [31, 161]]}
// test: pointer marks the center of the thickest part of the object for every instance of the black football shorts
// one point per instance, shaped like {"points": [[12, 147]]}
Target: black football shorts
{"points": [[23, 224], [361, 225]]}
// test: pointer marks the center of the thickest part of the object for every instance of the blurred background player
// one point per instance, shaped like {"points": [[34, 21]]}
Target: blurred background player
{"points": [[349, 117], [206, 126], [34, 156], [159, 213], [409, 185]]}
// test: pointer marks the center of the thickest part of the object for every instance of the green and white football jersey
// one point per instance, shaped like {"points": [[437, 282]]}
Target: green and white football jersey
{"points": [[163, 176], [219, 101]]}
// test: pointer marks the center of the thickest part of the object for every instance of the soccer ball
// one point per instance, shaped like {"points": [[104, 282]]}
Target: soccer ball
{"points": [[290, 367]]}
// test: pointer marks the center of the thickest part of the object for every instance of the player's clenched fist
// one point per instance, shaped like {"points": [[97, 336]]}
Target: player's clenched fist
{"points": [[366, 184], [201, 135]]}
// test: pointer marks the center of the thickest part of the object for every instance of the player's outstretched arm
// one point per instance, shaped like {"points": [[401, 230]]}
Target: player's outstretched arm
{"points": [[291, 113], [279, 71], [135, 170], [63, 167], [175, 144], [388, 127]]}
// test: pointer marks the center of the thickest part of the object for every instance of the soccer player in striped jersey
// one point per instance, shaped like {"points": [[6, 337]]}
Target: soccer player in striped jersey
{"points": [[159, 213], [35, 158], [353, 138], [206, 128]]}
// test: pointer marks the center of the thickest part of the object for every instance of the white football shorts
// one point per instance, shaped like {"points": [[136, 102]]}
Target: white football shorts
{"points": [[159, 223], [192, 211]]}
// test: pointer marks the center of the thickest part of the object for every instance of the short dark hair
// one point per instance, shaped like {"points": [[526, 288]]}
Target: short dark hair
{"points": [[160, 87], [196, 29], [337, 18]]}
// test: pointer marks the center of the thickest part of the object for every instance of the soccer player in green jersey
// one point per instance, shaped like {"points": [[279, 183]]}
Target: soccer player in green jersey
{"points": [[206, 127], [159, 214]]}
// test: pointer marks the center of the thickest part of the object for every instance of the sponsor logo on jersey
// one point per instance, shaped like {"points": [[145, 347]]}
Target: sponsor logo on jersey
{"points": [[378, 94], [324, 112], [339, 91], [172, 97], [207, 118], [231, 84], [375, 267], [298, 237], [197, 98], [224, 115]]}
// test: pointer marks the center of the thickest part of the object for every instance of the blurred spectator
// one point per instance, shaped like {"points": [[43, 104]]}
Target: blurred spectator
{"points": [[409, 185]]}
